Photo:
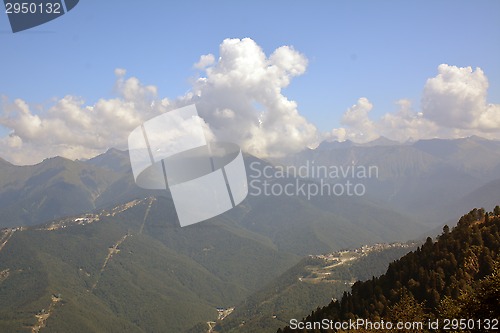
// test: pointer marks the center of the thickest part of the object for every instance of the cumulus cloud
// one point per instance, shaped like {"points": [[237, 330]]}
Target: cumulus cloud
{"points": [[401, 125], [205, 61], [72, 129], [454, 104], [241, 99], [239, 96], [456, 98], [406, 124], [356, 118]]}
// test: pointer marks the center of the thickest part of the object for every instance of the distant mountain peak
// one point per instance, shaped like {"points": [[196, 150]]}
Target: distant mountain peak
{"points": [[476, 138], [115, 151], [56, 160], [473, 138], [113, 159], [325, 145], [381, 141]]}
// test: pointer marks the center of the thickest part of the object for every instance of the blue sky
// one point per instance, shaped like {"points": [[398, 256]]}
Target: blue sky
{"points": [[381, 50]]}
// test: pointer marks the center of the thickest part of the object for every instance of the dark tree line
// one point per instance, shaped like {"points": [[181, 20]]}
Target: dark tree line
{"points": [[456, 276]]}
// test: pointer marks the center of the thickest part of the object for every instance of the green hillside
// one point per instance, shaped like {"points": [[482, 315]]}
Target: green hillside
{"points": [[314, 280], [53, 188], [455, 277], [58, 187], [129, 269]]}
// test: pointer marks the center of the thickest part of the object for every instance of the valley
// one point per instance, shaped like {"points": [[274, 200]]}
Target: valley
{"points": [[455, 275], [323, 273], [119, 261], [316, 279], [123, 228]]}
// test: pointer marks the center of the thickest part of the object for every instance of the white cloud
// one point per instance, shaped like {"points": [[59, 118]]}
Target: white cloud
{"points": [[454, 104], [406, 124], [356, 118], [71, 129], [456, 98], [241, 99], [205, 61]]}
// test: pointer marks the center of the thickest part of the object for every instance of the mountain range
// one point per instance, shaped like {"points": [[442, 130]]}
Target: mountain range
{"points": [[427, 179], [84, 249]]}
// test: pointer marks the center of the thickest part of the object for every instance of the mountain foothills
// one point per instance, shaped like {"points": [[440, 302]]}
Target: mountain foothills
{"points": [[432, 180], [426, 181], [83, 249], [449, 284], [315, 280], [129, 269], [60, 187]]}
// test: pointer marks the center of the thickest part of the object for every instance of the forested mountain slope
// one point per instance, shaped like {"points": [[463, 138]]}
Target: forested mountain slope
{"points": [[455, 277]]}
